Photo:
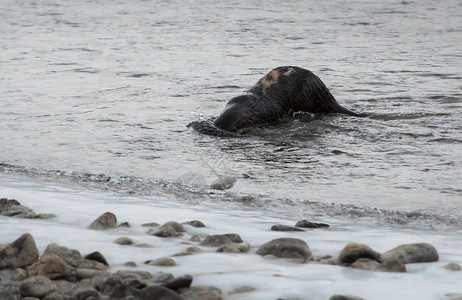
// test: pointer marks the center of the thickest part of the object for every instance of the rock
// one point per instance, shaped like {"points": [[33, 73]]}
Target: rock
{"points": [[308, 224], [12, 208], [241, 289], [453, 267], [345, 297], [45, 216], [10, 291], [201, 293], [195, 238], [181, 254], [133, 279], [51, 266], [91, 264], [130, 264], [88, 294], [169, 229], [244, 247], [453, 296], [411, 253], [285, 228], [234, 237], [179, 282], [142, 245], [223, 183], [152, 224], [286, 248], [195, 223], [124, 241], [159, 293], [21, 252], [97, 256], [194, 249], [106, 221], [372, 265], [124, 292], [82, 273], [328, 260], [161, 277], [124, 225], [19, 274], [354, 251], [37, 286], [70, 256], [229, 248], [162, 262], [216, 240]]}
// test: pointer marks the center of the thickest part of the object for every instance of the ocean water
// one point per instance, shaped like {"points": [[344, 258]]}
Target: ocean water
{"points": [[95, 97]]}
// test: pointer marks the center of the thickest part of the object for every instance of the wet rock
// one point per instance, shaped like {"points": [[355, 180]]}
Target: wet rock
{"points": [[286, 248], [195, 238], [19, 253], [83, 273], [70, 256], [194, 249], [195, 223], [453, 267], [37, 286], [179, 282], [223, 183], [91, 264], [133, 279], [453, 296], [10, 291], [169, 229], [354, 251], [124, 241], [142, 245], [234, 237], [106, 221], [285, 228], [12, 208], [308, 224], [372, 265], [229, 248], [244, 247], [201, 293], [328, 260], [162, 262], [152, 224], [51, 266], [43, 216], [161, 277], [216, 240], [411, 253], [159, 293], [345, 297], [241, 290], [130, 264], [97, 256], [182, 254], [124, 225]]}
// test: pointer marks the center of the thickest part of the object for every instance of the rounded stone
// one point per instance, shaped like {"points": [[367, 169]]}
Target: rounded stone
{"points": [[286, 248], [411, 253], [37, 286], [106, 221], [162, 262], [354, 251], [21, 252]]}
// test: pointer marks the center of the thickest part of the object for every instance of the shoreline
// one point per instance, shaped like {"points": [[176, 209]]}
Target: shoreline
{"points": [[270, 277]]}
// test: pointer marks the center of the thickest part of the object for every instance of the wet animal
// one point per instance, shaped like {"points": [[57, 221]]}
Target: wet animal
{"points": [[280, 93]]}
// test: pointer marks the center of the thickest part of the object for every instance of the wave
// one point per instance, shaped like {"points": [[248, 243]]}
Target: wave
{"points": [[189, 192]]}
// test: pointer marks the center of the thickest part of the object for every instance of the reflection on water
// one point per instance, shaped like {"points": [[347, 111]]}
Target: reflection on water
{"points": [[108, 88]]}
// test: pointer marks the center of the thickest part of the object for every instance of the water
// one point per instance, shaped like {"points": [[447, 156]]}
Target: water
{"points": [[99, 94]]}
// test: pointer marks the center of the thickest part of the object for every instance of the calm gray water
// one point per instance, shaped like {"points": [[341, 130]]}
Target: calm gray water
{"points": [[108, 87]]}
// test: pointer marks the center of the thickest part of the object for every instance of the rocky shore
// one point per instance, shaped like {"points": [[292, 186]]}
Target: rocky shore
{"points": [[62, 273]]}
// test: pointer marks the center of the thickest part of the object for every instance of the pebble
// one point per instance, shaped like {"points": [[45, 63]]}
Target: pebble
{"points": [[308, 224], [169, 229], [106, 221], [285, 228], [195, 223], [453, 267], [162, 262], [354, 251], [125, 241], [286, 248], [216, 240]]}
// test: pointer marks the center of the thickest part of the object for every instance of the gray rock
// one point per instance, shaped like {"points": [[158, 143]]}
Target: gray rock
{"points": [[152, 224], [229, 248], [91, 264], [70, 256], [223, 183], [51, 266], [130, 264], [124, 225], [124, 241], [285, 228], [161, 277], [19, 274], [37, 286], [453, 267], [354, 251], [345, 297], [162, 262], [201, 293], [216, 240], [179, 282], [195, 223], [12, 208], [97, 256], [159, 293], [372, 265], [45, 216], [87, 294], [134, 279], [21, 252], [411, 253], [286, 248], [308, 224], [453, 296], [234, 237], [195, 238], [82, 273], [10, 291], [169, 229], [106, 221], [241, 290]]}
